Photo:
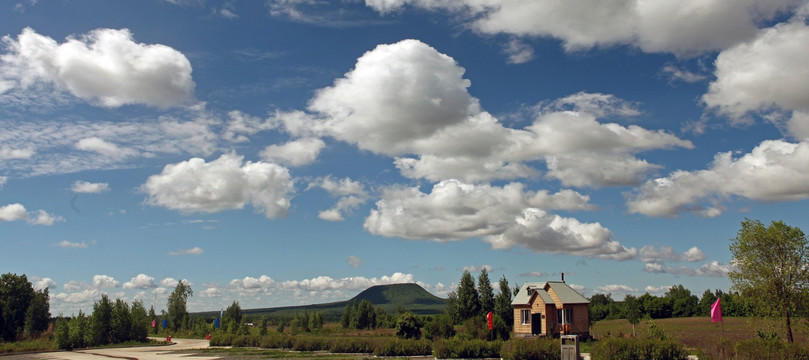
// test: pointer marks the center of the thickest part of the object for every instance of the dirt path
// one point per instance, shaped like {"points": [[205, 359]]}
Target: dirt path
{"points": [[133, 353]]}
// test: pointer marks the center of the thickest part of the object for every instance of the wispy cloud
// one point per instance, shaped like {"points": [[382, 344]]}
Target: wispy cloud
{"points": [[192, 251], [71, 245]]}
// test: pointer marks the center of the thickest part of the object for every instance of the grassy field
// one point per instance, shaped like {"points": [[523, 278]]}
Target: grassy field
{"points": [[701, 333]]}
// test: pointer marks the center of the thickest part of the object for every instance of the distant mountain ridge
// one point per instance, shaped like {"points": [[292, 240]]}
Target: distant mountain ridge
{"points": [[411, 297]]}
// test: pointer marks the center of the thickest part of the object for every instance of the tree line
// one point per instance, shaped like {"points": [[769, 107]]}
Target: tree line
{"points": [[113, 322], [24, 311]]}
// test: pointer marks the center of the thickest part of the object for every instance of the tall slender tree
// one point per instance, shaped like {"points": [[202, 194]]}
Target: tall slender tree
{"points": [[468, 304], [502, 303], [486, 292], [177, 310]]}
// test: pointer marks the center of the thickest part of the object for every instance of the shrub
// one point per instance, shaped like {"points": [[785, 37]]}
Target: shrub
{"points": [[222, 339], [307, 343], [276, 342], [439, 327], [245, 341], [404, 347], [466, 349], [533, 349], [408, 326], [637, 349], [354, 346]]}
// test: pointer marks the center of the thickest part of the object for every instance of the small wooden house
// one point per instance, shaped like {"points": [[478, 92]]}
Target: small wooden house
{"points": [[551, 308]]}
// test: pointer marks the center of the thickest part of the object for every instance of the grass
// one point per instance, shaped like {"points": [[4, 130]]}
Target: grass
{"points": [[700, 332], [252, 353], [40, 344]]}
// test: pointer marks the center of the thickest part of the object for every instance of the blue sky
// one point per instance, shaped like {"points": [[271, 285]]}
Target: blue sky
{"points": [[294, 151]]}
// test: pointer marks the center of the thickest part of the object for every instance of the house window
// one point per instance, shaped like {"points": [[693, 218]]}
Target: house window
{"points": [[526, 317], [567, 313]]}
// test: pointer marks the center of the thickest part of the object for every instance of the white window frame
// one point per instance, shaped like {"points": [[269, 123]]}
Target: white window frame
{"points": [[525, 315]]}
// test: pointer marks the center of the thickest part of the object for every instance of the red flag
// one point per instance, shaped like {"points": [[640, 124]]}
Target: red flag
{"points": [[489, 319], [153, 323], [716, 311]]}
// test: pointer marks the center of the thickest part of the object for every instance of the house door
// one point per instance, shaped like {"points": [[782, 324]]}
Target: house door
{"points": [[536, 324]]}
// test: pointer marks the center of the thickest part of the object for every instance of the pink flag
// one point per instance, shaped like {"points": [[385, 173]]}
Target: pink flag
{"points": [[153, 323], [716, 311]]}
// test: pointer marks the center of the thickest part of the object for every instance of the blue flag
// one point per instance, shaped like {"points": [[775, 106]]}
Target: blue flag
{"points": [[216, 323], [165, 323]]}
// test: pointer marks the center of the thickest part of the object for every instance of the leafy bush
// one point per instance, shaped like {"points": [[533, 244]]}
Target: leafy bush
{"points": [[638, 349], [222, 339], [354, 345], [307, 343], [439, 327], [276, 342], [533, 349], [408, 326], [466, 349], [404, 347], [246, 341]]}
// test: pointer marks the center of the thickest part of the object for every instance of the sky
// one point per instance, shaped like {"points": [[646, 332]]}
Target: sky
{"points": [[288, 152]]}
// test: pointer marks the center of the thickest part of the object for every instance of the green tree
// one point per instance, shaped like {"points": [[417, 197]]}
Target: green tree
{"points": [[79, 332], [177, 310], [262, 325], [101, 326], [502, 304], [486, 293], [140, 322], [632, 311], [683, 303], [771, 268], [316, 321], [16, 294], [705, 302], [408, 326], [120, 322], [37, 316], [61, 333], [233, 316], [468, 304], [153, 320], [303, 321], [345, 320]]}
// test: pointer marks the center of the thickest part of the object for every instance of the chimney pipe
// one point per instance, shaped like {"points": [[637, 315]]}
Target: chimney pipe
{"points": [[563, 277]]}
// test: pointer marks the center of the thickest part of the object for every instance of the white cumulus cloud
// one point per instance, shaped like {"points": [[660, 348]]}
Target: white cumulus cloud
{"points": [[503, 216], [141, 281], [775, 170], [17, 211], [294, 153], [226, 183], [105, 282], [89, 188], [105, 67]]}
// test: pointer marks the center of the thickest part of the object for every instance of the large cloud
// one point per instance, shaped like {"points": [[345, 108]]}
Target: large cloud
{"points": [[409, 101], [395, 94], [223, 184], [104, 66], [766, 73], [680, 27], [775, 170], [503, 216]]}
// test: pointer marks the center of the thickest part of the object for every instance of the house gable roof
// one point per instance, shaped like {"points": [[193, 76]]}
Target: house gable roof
{"points": [[565, 293]]}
